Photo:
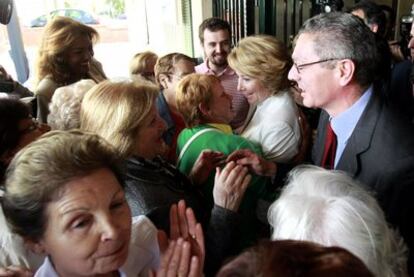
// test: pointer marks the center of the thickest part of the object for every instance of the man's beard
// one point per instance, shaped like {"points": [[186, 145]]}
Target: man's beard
{"points": [[218, 62]]}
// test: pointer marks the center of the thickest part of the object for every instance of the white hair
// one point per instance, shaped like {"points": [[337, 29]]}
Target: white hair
{"points": [[331, 208], [66, 103]]}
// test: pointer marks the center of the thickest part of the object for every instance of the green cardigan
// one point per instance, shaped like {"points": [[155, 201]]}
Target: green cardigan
{"points": [[217, 140]]}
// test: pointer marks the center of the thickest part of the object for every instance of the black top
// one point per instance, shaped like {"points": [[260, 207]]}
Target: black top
{"points": [[151, 188]]}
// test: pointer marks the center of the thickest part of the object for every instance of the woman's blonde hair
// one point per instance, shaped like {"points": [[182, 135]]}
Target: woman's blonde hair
{"points": [[193, 90], [264, 58], [58, 37], [116, 111], [140, 61], [166, 65]]}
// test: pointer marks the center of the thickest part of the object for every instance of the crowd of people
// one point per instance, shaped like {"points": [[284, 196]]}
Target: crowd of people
{"points": [[213, 169]]}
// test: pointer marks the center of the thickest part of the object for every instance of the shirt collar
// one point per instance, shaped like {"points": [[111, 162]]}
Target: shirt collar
{"points": [[47, 269], [344, 124], [225, 128], [203, 68]]}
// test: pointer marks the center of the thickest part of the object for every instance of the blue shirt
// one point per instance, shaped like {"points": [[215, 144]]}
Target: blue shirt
{"points": [[344, 124], [165, 114]]}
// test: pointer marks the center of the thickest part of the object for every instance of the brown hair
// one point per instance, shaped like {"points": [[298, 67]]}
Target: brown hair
{"points": [[290, 258], [39, 172], [213, 24], [58, 37], [165, 65], [193, 90], [139, 62]]}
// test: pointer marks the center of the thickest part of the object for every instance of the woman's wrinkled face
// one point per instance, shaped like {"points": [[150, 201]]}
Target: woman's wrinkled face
{"points": [[88, 227], [252, 89], [220, 108], [78, 57], [149, 141]]}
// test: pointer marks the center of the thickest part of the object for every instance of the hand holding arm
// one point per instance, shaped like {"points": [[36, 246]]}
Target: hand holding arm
{"points": [[230, 185], [205, 163], [253, 161]]}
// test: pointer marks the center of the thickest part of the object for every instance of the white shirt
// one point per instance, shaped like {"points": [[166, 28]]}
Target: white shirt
{"points": [[275, 127], [47, 270], [143, 253]]}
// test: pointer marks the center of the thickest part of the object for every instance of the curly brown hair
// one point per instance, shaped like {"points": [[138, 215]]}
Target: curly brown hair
{"points": [[58, 37]]}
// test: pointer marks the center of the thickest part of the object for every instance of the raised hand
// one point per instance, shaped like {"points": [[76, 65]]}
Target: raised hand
{"points": [[230, 183], [178, 261], [205, 163], [183, 224]]}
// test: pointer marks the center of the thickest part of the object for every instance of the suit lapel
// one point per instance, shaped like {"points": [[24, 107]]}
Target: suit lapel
{"points": [[360, 140]]}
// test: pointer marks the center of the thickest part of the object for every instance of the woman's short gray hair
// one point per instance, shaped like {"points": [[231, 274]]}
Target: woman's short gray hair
{"points": [[331, 208], [65, 105]]}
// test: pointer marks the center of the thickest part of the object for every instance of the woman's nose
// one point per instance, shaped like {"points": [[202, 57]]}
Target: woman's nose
{"points": [[239, 85], [109, 231]]}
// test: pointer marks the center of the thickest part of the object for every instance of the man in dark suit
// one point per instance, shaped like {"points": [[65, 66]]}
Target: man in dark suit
{"points": [[335, 59]]}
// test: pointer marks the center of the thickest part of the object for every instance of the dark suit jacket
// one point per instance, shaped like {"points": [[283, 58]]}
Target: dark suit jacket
{"points": [[401, 89], [380, 154]]}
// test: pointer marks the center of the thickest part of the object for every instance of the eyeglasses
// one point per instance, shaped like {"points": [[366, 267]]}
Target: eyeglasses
{"points": [[299, 67]]}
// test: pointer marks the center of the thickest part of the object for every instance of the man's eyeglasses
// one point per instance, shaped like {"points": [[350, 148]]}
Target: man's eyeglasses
{"points": [[299, 67]]}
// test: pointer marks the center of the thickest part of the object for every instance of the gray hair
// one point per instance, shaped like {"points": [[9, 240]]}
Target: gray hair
{"points": [[330, 208], [66, 104], [345, 36], [40, 171]]}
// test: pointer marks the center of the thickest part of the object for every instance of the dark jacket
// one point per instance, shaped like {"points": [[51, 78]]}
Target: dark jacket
{"points": [[151, 188], [380, 154]]}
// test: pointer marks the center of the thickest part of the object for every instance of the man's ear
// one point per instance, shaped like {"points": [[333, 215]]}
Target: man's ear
{"points": [[346, 71], [36, 246]]}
